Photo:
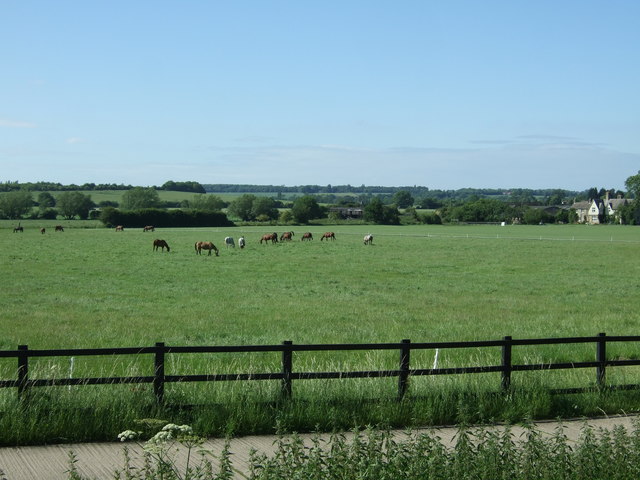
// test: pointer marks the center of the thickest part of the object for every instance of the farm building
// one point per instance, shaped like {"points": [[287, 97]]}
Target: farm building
{"points": [[348, 212]]}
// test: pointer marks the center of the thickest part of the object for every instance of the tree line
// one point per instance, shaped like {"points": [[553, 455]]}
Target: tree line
{"points": [[401, 206], [189, 186]]}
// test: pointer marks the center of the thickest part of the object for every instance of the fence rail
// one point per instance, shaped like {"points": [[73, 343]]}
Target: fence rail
{"points": [[22, 382]]}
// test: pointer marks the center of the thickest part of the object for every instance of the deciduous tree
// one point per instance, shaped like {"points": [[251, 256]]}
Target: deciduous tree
{"points": [[15, 204], [633, 185], [140, 197], [264, 207], [71, 204], [403, 199], [206, 202], [306, 208], [242, 207]]}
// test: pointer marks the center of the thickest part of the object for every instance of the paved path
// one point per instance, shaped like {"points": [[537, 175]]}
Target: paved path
{"points": [[100, 460]]}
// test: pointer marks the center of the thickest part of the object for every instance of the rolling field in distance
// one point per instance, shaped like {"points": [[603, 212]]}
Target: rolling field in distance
{"points": [[94, 287]]}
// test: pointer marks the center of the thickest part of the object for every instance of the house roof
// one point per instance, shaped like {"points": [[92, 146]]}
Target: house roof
{"points": [[581, 205], [617, 202]]}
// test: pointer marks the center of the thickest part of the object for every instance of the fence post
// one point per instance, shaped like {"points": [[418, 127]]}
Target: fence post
{"points": [[23, 370], [506, 363], [403, 379], [601, 358], [158, 376], [287, 367]]}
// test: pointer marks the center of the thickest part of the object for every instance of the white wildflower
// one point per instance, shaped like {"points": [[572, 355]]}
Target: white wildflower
{"points": [[169, 427], [177, 429], [128, 435], [161, 437]]}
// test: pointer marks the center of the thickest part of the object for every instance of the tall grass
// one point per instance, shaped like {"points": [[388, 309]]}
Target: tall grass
{"points": [[98, 288], [477, 453]]}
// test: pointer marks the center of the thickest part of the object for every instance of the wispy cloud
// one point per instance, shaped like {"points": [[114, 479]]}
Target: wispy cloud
{"points": [[5, 122], [538, 141], [74, 140]]}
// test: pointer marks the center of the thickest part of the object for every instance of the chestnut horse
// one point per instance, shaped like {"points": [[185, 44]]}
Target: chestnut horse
{"points": [[328, 235], [43, 230], [119, 228], [368, 239], [149, 228], [59, 228], [206, 246], [286, 236], [157, 243], [272, 237], [306, 236]]}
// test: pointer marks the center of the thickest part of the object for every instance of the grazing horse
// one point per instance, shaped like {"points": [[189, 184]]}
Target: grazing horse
{"points": [[43, 230], [328, 235], [157, 243], [119, 228], [272, 237], [59, 228], [306, 236], [18, 229], [228, 241], [241, 242], [149, 228], [286, 236], [368, 239], [206, 246]]}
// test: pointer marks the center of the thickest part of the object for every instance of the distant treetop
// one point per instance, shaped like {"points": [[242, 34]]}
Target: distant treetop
{"points": [[194, 187]]}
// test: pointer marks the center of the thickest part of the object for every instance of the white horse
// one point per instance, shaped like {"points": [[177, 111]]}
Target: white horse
{"points": [[368, 239], [241, 242], [228, 241]]}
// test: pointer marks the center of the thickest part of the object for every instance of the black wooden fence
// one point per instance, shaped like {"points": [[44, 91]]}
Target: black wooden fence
{"points": [[287, 375]]}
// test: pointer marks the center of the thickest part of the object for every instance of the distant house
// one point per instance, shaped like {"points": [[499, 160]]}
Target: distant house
{"points": [[613, 206], [582, 210], [592, 211]]}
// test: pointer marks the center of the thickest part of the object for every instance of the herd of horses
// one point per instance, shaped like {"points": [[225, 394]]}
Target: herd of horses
{"points": [[268, 237], [160, 244], [20, 229]]}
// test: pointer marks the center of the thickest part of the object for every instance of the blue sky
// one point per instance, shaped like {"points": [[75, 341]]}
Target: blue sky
{"points": [[444, 94]]}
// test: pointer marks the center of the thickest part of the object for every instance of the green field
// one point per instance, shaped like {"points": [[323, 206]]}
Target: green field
{"points": [[93, 287], [98, 196], [96, 287]]}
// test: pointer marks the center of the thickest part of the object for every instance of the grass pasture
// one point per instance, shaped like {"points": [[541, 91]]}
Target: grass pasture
{"points": [[93, 287]]}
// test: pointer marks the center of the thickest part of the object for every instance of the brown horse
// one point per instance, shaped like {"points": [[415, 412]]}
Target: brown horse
{"points": [[119, 228], [286, 236], [43, 230], [149, 228], [206, 246], [59, 228], [328, 235], [270, 237], [18, 229], [157, 243], [306, 236]]}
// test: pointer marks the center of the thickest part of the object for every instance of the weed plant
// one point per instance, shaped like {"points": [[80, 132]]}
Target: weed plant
{"points": [[377, 454]]}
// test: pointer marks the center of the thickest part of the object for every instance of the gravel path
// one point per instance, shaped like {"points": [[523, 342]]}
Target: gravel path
{"points": [[100, 460]]}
